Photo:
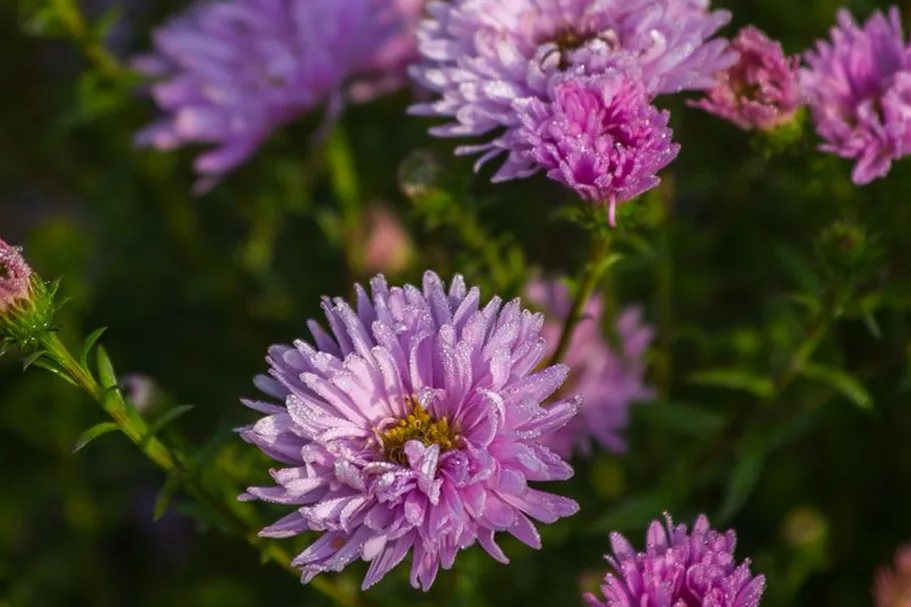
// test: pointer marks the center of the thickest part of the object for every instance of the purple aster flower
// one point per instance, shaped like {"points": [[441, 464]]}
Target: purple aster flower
{"points": [[15, 278], [858, 87], [415, 426], [679, 569], [488, 58], [607, 381], [598, 136], [893, 586], [760, 91], [230, 73]]}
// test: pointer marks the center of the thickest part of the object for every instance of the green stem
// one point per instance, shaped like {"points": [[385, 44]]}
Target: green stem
{"points": [[72, 17], [587, 282], [171, 461]]}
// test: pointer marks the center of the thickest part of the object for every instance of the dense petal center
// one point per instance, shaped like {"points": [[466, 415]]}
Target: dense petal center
{"points": [[420, 426]]}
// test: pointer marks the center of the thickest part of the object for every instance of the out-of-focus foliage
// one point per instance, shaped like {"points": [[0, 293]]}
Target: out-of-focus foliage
{"points": [[780, 293]]}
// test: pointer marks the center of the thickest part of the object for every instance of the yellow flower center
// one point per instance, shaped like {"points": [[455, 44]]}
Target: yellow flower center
{"points": [[419, 426]]}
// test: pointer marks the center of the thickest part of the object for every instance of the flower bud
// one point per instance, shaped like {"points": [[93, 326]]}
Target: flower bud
{"points": [[760, 91], [26, 305]]}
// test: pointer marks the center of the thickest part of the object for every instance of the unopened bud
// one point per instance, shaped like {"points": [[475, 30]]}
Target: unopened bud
{"points": [[26, 305]]}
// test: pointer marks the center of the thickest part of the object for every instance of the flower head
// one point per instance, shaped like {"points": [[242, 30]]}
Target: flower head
{"points": [[488, 58], [608, 382], [414, 426], [230, 73], [679, 569], [893, 586], [15, 278], [858, 87], [760, 91], [26, 304], [599, 136]]}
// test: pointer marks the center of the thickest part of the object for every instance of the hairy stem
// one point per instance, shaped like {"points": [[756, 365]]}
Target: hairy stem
{"points": [[174, 463]]}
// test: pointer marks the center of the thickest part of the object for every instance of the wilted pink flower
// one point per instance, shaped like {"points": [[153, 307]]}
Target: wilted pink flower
{"points": [[388, 246], [415, 426], [599, 136], [679, 569], [229, 73], [609, 382], [858, 87], [893, 586], [760, 91], [15, 278], [489, 58]]}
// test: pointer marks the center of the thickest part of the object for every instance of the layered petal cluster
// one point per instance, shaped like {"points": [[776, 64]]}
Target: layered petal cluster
{"points": [[893, 586], [15, 278], [414, 425], [608, 381], [599, 136], [761, 90], [489, 59], [679, 569], [858, 87], [227, 74]]}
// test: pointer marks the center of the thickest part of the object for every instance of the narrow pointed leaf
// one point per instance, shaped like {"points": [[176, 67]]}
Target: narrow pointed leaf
{"points": [[106, 373], [49, 365], [841, 381], [89, 343], [735, 379], [94, 432], [165, 497], [164, 420]]}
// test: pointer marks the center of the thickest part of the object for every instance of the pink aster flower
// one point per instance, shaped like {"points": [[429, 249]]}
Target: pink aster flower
{"points": [[858, 87], [486, 56], [608, 382], [893, 586], [230, 73], [760, 91], [388, 247], [598, 136], [679, 569], [15, 278], [414, 426]]}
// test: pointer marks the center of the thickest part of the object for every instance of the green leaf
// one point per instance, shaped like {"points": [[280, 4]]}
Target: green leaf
{"points": [[106, 375], [872, 324], [841, 381], [165, 497], [31, 359], [94, 432], [163, 421], [682, 418], [799, 267], [89, 343], [49, 365], [742, 482], [735, 379]]}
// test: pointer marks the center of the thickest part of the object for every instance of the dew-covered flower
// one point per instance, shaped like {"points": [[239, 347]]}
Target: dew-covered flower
{"points": [[608, 381], [599, 135], [26, 303], [15, 278], [760, 91], [679, 569], [488, 58], [414, 425], [858, 87], [893, 586], [227, 74]]}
